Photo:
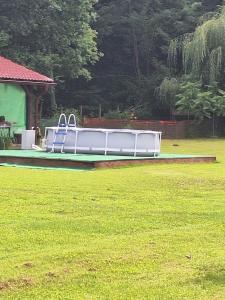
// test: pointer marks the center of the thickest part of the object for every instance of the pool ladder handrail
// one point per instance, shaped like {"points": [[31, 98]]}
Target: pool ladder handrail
{"points": [[74, 125], [61, 130], [72, 118]]}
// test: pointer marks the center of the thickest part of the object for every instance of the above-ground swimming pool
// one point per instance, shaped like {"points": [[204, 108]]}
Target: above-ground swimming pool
{"points": [[103, 141]]}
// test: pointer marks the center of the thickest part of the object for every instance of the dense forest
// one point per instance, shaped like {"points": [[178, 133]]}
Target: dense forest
{"points": [[114, 54]]}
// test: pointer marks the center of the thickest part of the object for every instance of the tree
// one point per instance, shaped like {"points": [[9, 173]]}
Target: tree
{"points": [[201, 55], [167, 93], [53, 36], [209, 5], [134, 37], [201, 103], [202, 52]]}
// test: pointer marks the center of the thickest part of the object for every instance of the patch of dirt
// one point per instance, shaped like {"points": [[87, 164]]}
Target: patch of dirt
{"points": [[66, 270], [51, 274], [4, 285], [151, 243], [86, 265], [82, 263], [26, 281], [28, 265], [16, 283], [92, 270]]}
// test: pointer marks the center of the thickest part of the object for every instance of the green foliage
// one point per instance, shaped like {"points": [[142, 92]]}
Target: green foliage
{"points": [[4, 39], [53, 120], [167, 92], [134, 37], [117, 114], [202, 55], [59, 39], [203, 52], [199, 102], [5, 140], [52, 36]]}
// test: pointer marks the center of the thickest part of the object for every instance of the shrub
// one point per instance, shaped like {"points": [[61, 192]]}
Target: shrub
{"points": [[117, 114], [53, 121], [5, 141]]}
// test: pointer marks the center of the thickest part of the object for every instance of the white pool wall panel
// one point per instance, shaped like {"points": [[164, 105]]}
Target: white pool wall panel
{"points": [[107, 141]]}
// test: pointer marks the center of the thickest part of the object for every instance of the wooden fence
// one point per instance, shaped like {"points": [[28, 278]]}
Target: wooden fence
{"points": [[169, 129]]}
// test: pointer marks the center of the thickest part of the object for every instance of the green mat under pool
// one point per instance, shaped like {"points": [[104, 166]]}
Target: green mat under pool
{"points": [[81, 157], [44, 168]]}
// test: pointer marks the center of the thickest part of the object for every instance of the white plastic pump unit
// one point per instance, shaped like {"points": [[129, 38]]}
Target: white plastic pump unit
{"points": [[28, 139]]}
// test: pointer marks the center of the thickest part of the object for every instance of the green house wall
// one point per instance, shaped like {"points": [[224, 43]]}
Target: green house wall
{"points": [[13, 106]]}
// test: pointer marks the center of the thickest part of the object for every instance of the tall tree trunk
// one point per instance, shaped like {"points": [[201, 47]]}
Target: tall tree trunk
{"points": [[135, 47], [213, 125], [136, 54], [52, 95]]}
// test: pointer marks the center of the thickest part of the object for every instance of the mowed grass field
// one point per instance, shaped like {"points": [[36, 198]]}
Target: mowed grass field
{"points": [[146, 232]]}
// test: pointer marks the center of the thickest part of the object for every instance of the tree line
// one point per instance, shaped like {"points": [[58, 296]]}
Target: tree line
{"points": [[114, 54]]}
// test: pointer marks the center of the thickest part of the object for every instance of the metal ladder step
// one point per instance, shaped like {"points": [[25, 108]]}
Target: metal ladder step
{"points": [[60, 133], [58, 143]]}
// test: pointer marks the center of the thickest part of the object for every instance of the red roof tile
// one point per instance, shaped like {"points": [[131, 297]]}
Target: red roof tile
{"points": [[13, 71]]}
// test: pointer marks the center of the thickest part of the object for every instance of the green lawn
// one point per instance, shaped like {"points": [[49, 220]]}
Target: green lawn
{"points": [[148, 232]]}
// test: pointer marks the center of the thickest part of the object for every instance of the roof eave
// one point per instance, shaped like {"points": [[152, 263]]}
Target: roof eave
{"points": [[27, 82]]}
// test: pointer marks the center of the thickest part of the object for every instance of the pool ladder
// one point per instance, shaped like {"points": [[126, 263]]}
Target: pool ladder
{"points": [[61, 132]]}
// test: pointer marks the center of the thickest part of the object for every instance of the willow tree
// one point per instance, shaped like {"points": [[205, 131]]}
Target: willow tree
{"points": [[202, 52], [167, 93]]}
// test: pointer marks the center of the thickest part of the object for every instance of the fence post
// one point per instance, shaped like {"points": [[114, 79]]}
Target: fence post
{"points": [[81, 111], [100, 111]]}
